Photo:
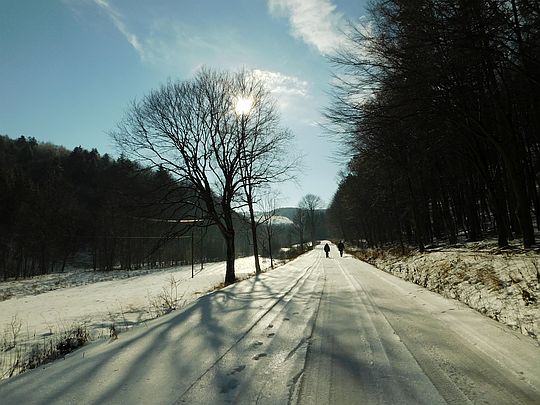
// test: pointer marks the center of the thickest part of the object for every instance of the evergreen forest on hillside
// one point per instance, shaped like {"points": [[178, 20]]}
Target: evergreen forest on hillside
{"points": [[79, 208], [58, 206]]}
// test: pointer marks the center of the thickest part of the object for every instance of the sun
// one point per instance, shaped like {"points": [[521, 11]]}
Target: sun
{"points": [[243, 105]]}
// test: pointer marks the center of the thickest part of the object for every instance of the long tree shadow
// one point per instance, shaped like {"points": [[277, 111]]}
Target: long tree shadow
{"points": [[148, 344], [142, 353]]}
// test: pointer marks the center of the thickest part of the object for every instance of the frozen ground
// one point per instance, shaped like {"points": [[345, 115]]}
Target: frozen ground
{"points": [[501, 284], [44, 306], [314, 331]]}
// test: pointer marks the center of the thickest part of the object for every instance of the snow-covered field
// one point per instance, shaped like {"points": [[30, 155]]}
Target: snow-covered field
{"points": [[42, 307]]}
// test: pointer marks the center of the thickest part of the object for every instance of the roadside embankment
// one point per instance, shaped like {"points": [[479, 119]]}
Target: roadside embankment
{"points": [[502, 285]]}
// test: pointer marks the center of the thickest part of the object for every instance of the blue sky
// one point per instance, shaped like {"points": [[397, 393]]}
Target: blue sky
{"points": [[69, 68]]}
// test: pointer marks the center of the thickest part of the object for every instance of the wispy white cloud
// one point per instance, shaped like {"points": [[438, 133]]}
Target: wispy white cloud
{"points": [[292, 94], [119, 23], [169, 44], [316, 22], [279, 83]]}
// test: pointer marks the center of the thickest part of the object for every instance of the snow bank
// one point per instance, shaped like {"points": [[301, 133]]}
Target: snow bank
{"points": [[503, 286]]}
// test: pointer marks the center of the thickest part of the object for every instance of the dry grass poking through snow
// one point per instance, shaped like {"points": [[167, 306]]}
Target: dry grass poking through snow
{"points": [[18, 356], [45, 317]]}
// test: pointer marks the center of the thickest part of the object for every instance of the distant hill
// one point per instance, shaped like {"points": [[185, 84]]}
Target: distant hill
{"points": [[281, 220], [288, 212]]}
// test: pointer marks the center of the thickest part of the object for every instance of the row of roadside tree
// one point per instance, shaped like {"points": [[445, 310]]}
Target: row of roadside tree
{"points": [[438, 104], [61, 208], [198, 160]]}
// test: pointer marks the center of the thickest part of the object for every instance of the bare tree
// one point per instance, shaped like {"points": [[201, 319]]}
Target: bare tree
{"points": [[190, 129], [310, 203], [428, 85], [264, 155], [268, 205]]}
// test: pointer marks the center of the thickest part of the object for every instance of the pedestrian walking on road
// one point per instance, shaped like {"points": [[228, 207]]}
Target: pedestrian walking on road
{"points": [[326, 249], [341, 247]]}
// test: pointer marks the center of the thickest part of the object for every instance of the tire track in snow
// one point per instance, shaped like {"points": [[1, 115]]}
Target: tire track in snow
{"points": [[355, 356], [456, 366], [258, 319], [438, 380]]}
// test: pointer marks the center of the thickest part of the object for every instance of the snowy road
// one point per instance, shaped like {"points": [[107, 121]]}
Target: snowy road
{"points": [[315, 331]]}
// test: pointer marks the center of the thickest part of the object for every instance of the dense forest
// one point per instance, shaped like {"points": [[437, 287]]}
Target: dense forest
{"points": [[438, 103], [58, 207], [78, 208]]}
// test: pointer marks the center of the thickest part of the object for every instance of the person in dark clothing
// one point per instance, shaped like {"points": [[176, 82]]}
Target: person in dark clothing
{"points": [[341, 247], [326, 249]]}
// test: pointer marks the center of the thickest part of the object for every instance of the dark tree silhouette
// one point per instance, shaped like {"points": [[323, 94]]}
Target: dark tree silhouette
{"points": [[57, 207], [264, 147], [201, 132], [437, 105]]}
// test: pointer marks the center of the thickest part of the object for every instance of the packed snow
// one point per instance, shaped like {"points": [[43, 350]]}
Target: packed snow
{"points": [[39, 308], [316, 330], [501, 284]]}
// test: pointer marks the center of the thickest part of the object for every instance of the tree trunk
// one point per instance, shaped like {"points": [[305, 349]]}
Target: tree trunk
{"points": [[471, 211], [417, 225], [253, 224], [270, 249], [517, 180], [448, 219], [230, 276], [499, 210]]}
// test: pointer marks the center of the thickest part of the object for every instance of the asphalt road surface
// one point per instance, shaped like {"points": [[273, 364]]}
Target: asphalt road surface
{"points": [[316, 331]]}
